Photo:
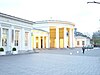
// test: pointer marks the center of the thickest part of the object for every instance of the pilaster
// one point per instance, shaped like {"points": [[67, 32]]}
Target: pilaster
{"points": [[39, 44], [43, 41], [70, 38], [23, 39], [65, 38], [57, 37], [34, 42]]}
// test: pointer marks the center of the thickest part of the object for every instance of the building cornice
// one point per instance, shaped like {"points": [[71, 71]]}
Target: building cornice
{"points": [[54, 21], [16, 18], [40, 30]]}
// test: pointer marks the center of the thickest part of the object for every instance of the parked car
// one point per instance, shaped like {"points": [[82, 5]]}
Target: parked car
{"points": [[89, 47]]}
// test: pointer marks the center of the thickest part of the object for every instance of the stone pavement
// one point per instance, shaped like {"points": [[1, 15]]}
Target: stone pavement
{"points": [[75, 51], [50, 64]]}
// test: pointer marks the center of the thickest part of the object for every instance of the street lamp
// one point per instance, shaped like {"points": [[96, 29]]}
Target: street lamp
{"points": [[94, 2]]}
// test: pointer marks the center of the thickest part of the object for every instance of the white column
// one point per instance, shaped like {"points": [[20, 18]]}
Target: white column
{"points": [[70, 37], [43, 41], [47, 42], [34, 42], [57, 37], [22, 39], [65, 38], [9, 39], [73, 38], [21, 42], [39, 43], [12, 42], [0, 36], [30, 41]]}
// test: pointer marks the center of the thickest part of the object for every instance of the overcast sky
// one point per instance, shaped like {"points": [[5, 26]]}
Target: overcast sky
{"points": [[84, 16]]}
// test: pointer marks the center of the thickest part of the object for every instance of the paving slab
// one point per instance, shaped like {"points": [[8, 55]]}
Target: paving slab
{"points": [[49, 64]]}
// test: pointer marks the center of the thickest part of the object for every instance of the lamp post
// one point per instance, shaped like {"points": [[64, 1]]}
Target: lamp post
{"points": [[93, 2]]}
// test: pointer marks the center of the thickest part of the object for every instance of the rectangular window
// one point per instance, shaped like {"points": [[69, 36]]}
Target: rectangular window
{"points": [[83, 42], [4, 37], [26, 38], [16, 37], [78, 43]]}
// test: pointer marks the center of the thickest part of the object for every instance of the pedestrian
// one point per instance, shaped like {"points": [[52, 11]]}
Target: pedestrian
{"points": [[83, 48], [34, 50]]}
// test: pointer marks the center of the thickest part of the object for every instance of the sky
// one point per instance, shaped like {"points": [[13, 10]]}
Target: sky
{"points": [[86, 17]]}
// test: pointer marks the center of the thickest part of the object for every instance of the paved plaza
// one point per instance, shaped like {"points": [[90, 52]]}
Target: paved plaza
{"points": [[74, 51], [52, 62]]}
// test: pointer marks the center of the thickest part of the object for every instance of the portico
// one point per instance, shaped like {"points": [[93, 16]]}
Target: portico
{"points": [[39, 39], [61, 37], [61, 33]]}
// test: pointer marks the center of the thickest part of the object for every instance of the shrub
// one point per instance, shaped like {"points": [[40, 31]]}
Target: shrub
{"points": [[14, 49], [1, 49]]}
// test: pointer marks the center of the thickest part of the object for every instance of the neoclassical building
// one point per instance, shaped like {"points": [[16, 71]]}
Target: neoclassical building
{"points": [[59, 34], [81, 39], [25, 35], [15, 32]]}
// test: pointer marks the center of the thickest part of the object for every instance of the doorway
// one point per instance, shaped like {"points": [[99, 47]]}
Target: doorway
{"points": [[41, 42]]}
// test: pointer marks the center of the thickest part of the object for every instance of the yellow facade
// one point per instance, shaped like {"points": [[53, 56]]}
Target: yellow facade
{"points": [[37, 42], [45, 42], [61, 37], [39, 39], [52, 37]]}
